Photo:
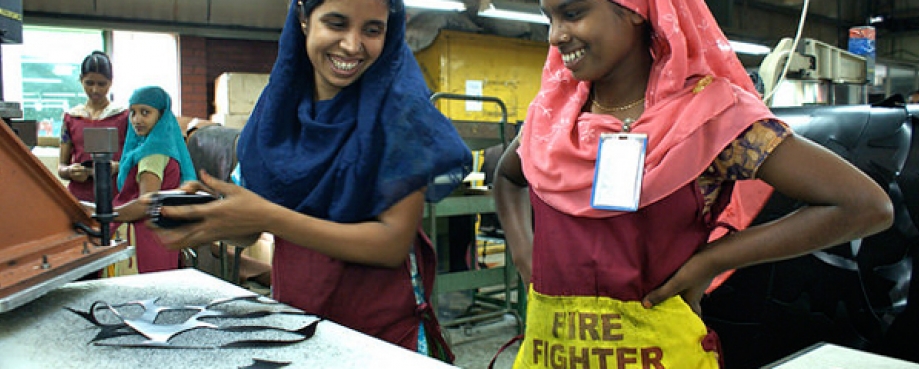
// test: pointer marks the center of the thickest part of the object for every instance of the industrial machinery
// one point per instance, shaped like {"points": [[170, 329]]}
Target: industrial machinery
{"points": [[46, 238], [857, 294], [814, 73], [11, 112]]}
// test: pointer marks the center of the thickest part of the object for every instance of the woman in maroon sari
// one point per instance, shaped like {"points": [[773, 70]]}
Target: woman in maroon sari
{"points": [[97, 112]]}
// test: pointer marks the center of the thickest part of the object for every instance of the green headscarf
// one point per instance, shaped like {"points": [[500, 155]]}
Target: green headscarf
{"points": [[165, 137]]}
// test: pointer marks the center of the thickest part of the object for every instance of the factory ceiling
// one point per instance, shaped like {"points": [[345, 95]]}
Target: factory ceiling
{"points": [[762, 21]]}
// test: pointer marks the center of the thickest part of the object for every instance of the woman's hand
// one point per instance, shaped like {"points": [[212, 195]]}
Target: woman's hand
{"points": [[690, 282], [854, 206], [134, 210], [78, 173], [238, 214]]}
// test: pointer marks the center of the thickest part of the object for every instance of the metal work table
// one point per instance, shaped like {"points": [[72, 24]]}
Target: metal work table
{"points": [[43, 334], [503, 276], [478, 135], [827, 355]]}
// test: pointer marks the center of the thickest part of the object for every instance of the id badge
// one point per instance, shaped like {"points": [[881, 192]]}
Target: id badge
{"points": [[619, 171]]}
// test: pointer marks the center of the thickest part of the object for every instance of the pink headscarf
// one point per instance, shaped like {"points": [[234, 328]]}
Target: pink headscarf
{"points": [[699, 99]]}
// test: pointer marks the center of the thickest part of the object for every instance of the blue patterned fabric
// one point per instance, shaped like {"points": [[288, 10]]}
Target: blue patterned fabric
{"points": [[350, 158], [165, 137]]}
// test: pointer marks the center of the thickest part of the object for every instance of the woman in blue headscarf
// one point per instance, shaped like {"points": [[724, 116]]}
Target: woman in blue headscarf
{"points": [[337, 160], [155, 158]]}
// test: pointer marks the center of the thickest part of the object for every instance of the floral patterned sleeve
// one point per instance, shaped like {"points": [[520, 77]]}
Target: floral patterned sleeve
{"points": [[743, 157], [65, 132]]}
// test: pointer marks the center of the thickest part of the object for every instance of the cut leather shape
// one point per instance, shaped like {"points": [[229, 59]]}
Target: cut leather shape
{"points": [[119, 321], [266, 364]]}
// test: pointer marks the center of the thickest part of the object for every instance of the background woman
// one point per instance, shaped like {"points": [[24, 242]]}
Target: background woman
{"points": [[155, 158], [97, 112]]}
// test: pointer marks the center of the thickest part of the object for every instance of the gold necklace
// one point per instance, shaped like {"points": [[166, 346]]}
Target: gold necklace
{"points": [[612, 109]]}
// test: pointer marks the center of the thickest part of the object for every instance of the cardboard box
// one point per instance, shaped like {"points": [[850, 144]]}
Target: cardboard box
{"points": [[237, 93], [262, 250], [231, 120]]}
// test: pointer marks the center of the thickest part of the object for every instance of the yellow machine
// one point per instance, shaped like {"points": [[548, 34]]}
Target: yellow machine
{"points": [[483, 65]]}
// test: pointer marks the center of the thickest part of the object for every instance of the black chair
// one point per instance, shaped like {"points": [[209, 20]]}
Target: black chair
{"points": [[213, 149]]}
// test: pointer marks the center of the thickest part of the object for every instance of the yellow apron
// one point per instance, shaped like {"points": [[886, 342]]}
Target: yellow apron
{"points": [[573, 332]]}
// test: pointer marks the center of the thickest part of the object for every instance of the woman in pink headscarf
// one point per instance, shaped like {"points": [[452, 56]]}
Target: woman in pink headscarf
{"points": [[645, 128]]}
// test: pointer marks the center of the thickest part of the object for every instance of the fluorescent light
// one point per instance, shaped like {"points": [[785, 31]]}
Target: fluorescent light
{"points": [[436, 5], [42, 80], [741, 47], [519, 14]]}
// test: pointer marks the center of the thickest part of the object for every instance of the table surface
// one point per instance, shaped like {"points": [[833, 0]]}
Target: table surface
{"points": [[43, 334], [829, 356]]}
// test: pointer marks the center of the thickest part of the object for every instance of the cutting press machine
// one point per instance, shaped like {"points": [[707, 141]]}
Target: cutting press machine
{"points": [[46, 238]]}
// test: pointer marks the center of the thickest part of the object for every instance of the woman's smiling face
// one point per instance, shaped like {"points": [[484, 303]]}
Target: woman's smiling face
{"points": [[595, 37], [343, 39]]}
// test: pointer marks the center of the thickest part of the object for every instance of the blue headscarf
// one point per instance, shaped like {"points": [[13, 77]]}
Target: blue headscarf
{"points": [[165, 137], [350, 158]]}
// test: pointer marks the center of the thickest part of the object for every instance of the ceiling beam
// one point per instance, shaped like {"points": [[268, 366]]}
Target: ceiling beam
{"points": [[183, 28], [786, 10]]}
